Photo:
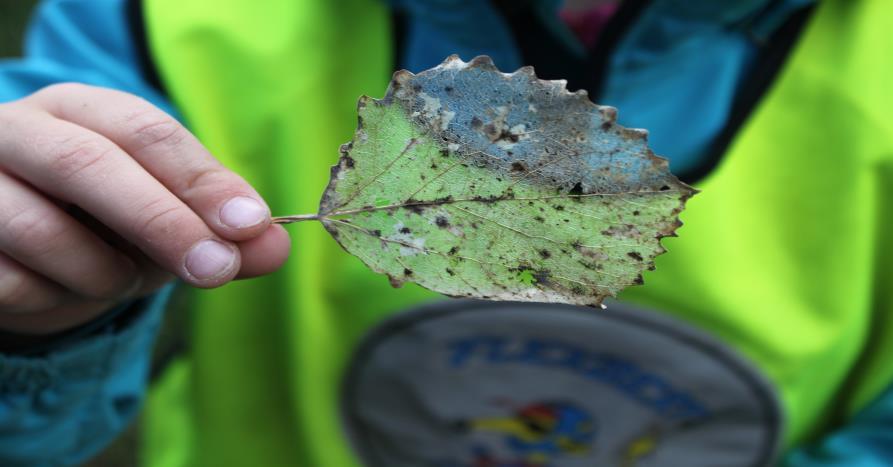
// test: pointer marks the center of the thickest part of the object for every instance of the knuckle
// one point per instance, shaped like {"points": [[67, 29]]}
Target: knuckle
{"points": [[32, 234], [7, 117], [158, 219], [76, 154], [61, 89], [11, 111], [110, 285], [216, 176], [48, 96], [152, 128]]}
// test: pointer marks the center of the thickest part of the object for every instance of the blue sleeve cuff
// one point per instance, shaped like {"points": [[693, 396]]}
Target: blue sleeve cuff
{"points": [[866, 441], [64, 407]]}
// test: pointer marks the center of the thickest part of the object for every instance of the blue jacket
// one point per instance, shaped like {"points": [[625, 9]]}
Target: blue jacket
{"points": [[61, 406]]}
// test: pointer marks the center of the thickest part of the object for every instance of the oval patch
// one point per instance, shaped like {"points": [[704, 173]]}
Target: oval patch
{"points": [[494, 384]]}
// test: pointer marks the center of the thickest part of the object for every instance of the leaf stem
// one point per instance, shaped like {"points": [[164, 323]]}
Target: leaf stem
{"points": [[296, 218]]}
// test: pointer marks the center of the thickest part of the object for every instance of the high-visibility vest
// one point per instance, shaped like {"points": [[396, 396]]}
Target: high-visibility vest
{"points": [[784, 256]]}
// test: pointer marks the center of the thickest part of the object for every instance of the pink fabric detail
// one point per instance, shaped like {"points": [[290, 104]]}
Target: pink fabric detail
{"points": [[588, 24]]}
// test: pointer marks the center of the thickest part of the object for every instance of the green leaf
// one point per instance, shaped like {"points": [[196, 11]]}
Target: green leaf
{"points": [[476, 183]]}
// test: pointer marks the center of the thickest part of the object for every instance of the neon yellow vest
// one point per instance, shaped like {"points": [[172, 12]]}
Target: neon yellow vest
{"points": [[783, 255]]}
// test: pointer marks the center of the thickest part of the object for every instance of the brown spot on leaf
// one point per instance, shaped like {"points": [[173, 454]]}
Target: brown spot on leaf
{"points": [[591, 253], [405, 230], [395, 282], [442, 222], [542, 277], [626, 230], [506, 135], [635, 255], [487, 199], [415, 207]]}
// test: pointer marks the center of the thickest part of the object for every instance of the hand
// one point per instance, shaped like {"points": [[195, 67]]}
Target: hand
{"points": [[104, 198]]}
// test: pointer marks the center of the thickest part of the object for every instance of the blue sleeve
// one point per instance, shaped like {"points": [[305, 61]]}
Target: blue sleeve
{"points": [[867, 441], [87, 41], [62, 407]]}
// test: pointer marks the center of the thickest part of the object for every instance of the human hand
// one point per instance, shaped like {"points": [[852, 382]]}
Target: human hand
{"points": [[105, 198]]}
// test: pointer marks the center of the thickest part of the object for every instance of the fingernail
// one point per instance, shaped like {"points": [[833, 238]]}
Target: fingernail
{"points": [[209, 259], [241, 212]]}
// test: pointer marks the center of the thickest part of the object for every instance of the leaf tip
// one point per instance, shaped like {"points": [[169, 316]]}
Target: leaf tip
{"points": [[363, 101], [609, 114], [527, 70], [401, 77], [483, 62], [396, 282], [635, 133]]}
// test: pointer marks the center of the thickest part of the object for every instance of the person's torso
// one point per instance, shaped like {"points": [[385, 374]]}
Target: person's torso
{"points": [[765, 309]]}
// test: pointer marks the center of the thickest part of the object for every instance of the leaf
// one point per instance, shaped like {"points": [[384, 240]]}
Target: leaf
{"points": [[472, 182]]}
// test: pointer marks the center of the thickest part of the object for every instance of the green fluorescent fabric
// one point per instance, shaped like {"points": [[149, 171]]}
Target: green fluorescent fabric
{"points": [[272, 92], [783, 254]]}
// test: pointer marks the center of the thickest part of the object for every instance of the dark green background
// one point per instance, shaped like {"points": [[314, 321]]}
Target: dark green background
{"points": [[13, 19]]}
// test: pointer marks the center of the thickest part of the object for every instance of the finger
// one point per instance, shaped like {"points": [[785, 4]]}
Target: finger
{"points": [[73, 164], [39, 235], [266, 253], [23, 291], [54, 320], [168, 151], [151, 276]]}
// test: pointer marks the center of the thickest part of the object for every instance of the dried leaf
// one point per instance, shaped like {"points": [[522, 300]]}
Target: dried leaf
{"points": [[472, 182]]}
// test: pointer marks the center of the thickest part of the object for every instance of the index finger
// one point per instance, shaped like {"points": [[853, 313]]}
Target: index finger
{"points": [[168, 151]]}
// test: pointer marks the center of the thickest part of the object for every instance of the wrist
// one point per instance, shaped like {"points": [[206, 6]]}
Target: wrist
{"points": [[17, 342]]}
